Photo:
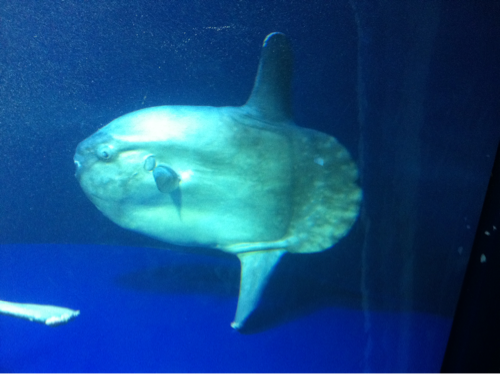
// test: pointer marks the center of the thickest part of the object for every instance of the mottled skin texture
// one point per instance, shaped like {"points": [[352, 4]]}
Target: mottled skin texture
{"points": [[245, 180]]}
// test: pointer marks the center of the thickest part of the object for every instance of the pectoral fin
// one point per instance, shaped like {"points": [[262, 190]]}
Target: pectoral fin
{"points": [[167, 181], [256, 268]]}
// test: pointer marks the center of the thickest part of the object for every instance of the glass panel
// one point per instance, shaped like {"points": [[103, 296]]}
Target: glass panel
{"points": [[410, 92]]}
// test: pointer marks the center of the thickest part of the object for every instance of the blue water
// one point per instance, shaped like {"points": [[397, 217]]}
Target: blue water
{"points": [[182, 324], [410, 89]]}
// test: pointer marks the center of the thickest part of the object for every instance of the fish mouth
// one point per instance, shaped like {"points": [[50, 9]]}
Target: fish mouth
{"points": [[78, 159], [94, 197], [78, 170]]}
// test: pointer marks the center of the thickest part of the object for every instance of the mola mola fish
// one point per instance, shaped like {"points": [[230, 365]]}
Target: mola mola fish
{"points": [[245, 180]]}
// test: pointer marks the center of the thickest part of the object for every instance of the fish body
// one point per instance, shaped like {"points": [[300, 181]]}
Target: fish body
{"points": [[245, 180]]}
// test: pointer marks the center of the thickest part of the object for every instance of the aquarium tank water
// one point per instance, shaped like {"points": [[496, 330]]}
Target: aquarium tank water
{"points": [[241, 186]]}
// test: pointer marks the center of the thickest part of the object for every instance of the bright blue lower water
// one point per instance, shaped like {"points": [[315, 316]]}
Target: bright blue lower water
{"points": [[152, 310]]}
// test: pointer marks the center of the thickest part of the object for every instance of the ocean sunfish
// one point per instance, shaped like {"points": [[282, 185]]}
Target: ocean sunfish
{"points": [[245, 180]]}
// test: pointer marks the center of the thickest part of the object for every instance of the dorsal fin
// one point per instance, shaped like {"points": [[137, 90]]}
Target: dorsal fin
{"points": [[271, 96]]}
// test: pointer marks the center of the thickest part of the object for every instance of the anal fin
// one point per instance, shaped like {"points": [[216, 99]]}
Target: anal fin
{"points": [[256, 268]]}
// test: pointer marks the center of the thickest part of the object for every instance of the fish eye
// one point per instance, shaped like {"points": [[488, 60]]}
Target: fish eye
{"points": [[104, 152]]}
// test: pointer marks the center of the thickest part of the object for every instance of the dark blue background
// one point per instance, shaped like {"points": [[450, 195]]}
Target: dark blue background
{"points": [[174, 316], [410, 88]]}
